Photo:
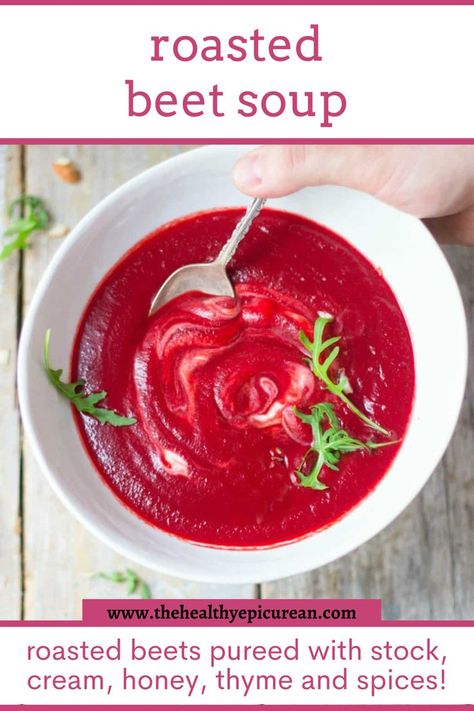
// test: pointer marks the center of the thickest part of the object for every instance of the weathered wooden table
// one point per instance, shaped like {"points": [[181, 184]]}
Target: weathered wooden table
{"points": [[422, 565]]}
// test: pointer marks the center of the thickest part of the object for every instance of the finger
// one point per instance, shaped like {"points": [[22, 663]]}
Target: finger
{"points": [[426, 181], [273, 171]]}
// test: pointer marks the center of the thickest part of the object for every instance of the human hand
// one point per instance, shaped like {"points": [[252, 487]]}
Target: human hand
{"points": [[434, 183]]}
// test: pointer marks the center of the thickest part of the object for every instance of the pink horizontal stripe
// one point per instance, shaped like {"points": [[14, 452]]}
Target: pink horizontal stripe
{"points": [[367, 612], [247, 2], [203, 707], [283, 623], [234, 141]]}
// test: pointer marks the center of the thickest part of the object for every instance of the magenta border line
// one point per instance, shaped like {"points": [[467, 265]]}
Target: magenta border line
{"points": [[235, 141], [214, 707], [234, 707], [344, 625], [366, 3]]}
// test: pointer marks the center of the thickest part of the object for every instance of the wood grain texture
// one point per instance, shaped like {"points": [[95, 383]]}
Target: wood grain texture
{"points": [[422, 565], [10, 528], [61, 557], [458, 464]]}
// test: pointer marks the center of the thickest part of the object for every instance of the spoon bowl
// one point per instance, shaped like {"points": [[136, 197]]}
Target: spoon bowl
{"points": [[208, 277]]}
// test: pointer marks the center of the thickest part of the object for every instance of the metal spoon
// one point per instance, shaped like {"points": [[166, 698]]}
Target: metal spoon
{"points": [[209, 277]]}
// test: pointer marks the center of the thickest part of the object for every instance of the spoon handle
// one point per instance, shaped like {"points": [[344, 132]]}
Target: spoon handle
{"points": [[228, 250]]}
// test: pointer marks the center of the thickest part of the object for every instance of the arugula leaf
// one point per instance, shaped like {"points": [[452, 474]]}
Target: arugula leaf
{"points": [[328, 444], [74, 392], [145, 591], [114, 577], [133, 580], [320, 368], [36, 218]]}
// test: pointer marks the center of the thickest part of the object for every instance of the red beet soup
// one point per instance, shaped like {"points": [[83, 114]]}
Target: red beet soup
{"points": [[213, 382]]}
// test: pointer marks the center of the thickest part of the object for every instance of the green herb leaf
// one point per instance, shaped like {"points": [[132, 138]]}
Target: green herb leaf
{"points": [[133, 580], [145, 591], [328, 445], [35, 218], [114, 577], [320, 364], [34, 207], [74, 392]]}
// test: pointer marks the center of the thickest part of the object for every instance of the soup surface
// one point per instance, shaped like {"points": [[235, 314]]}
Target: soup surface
{"points": [[213, 382]]}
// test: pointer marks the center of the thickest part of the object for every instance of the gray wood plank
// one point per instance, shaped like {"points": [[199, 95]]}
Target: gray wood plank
{"points": [[10, 524], [60, 555], [422, 565], [458, 464]]}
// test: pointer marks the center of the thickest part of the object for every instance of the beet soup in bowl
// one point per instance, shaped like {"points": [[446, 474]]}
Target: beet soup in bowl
{"points": [[211, 483]]}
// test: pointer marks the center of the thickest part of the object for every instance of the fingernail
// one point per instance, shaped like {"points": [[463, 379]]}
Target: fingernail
{"points": [[247, 172]]}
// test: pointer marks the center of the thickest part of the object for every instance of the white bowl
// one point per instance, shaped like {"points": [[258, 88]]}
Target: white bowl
{"points": [[414, 267]]}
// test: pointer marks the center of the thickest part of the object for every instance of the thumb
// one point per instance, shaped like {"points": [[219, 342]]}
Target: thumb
{"points": [[272, 171]]}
